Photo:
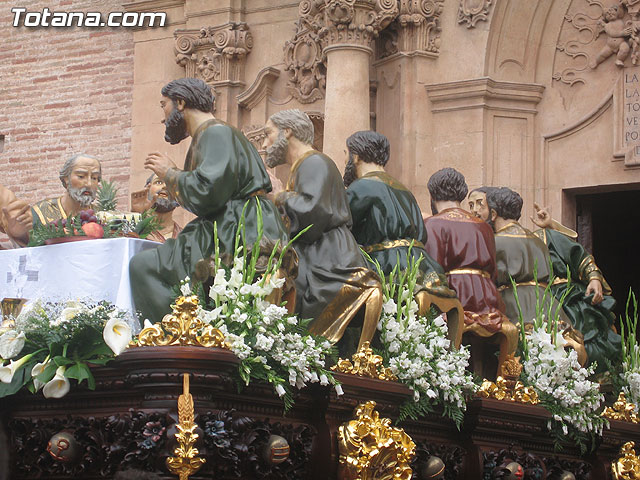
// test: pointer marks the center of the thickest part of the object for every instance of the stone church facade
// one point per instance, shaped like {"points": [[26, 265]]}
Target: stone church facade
{"points": [[541, 96]]}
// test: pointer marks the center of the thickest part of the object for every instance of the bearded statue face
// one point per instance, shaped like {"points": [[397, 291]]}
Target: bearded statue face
{"points": [[275, 144], [160, 198], [350, 174], [175, 126], [83, 181]]}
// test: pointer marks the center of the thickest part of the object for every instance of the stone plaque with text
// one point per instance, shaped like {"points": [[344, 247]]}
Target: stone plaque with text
{"points": [[631, 86]]}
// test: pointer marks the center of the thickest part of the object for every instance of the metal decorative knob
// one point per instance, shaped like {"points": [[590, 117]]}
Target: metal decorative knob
{"points": [[432, 469], [276, 450], [63, 447]]}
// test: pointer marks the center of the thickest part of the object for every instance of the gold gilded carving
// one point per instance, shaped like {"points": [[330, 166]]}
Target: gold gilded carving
{"points": [[182, 327], [371, 449], [214, 54], [472, 11], [503, 390], [365, 363], [622, 411], [627, 467], [186, 462]]}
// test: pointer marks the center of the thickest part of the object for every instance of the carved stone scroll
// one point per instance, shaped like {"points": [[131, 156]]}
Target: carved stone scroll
{"points": [[472, 11], [215, 54], [415, 30]]}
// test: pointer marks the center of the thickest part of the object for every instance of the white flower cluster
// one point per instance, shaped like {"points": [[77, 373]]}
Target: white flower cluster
{"points": [[263, 333], [556, 373], [631, 378], [420, 354]]}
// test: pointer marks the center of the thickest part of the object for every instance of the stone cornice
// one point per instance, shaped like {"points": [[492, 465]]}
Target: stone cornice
{"points": [[485, 93], [259, 89], [151, 5]]}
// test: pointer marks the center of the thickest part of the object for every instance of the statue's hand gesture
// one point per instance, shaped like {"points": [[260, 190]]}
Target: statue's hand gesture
{"points": [[595, 288], [542, 217], [18, 219], [159, 163]]}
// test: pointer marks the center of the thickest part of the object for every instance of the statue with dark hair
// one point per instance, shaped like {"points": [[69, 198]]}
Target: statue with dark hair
{"points": [[80, 176], [464, 246], [223, 172], [387, 222], [155, 196], [588, 304], [523, 257], [478, 202], [333, 281]]}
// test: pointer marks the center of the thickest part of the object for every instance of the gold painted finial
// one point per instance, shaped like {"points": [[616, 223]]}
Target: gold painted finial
{"points": [[185, 462], [622, 411], [371, 448], [182, 327], [509, 388], [627, 467], [365, 363]]}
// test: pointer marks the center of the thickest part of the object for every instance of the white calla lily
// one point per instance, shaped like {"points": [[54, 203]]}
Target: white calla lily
{"points": [[58, 386], [11, 344], [8, 371], [117, 335], [37, 369]]}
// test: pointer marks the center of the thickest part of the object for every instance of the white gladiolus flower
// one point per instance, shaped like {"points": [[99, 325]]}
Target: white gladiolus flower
{"points": [[280, 390], [185, 288], [324, 380], [117, 334], [339, 390], [11, 344], [58, 386], [147, 323]]}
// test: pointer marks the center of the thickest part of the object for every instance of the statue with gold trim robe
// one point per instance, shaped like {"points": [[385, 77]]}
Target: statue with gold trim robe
{"points": [[520, 254], [465, 247], [222, 172], [333, 280], [386, 219], [594, 321], [48, 211]]}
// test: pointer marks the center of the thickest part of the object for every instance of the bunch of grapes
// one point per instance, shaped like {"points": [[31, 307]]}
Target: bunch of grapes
{"points": [[88, 216], [59, 223]]}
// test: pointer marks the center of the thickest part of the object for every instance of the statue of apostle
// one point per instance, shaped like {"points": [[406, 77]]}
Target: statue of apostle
{"points": [[465, 247], [387, 219], [15, 217], [589, 303], [155, 195], [222, 172], [80, 176], [333, 280]]}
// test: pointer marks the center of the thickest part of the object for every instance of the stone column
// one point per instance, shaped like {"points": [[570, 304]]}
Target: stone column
{"points": [[347, 29]]}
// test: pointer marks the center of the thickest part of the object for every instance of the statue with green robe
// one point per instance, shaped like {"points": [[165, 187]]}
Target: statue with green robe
{"points": [[589, 303], [521, 256], [388, 224], [222, 172], [333, 281]]}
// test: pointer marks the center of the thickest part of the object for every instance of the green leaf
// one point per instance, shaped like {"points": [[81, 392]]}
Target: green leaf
{"points": [[61, 361], [20, 379], [80, 371]]}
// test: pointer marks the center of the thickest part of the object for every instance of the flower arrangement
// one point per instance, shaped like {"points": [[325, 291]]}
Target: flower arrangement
{"points": [[629, 377], [562, 384], [57, 342], [272, 344], [418, 351]]}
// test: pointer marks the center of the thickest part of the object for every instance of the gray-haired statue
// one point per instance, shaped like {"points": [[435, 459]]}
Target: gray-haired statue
{"points": [[222, 172], [80, 176], [333, 280]]}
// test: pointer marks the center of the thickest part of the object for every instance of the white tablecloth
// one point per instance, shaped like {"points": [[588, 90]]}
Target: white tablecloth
{"points": [[91, 270]]}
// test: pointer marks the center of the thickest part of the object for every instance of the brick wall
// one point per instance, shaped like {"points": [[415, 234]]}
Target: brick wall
{"points": [[63, 91]]}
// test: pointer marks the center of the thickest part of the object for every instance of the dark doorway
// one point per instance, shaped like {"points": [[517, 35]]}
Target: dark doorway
{"points": [[608, 226]]}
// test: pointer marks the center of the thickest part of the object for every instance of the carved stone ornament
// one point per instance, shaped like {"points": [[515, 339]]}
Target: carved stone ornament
{"points": [[627, 467], [182, 327], [306, 63], [415, 30], [370, 448], [365, 364], [214, 54], [472, 11], [256, 135]]}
